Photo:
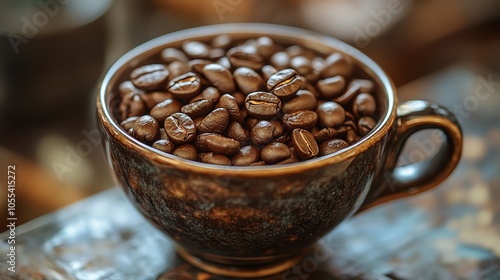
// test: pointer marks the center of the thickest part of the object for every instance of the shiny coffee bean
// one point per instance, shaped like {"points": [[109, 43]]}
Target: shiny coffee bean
{"points": [[211, 94], [318, 64], [128, 123], [245, 57], [285, 138], [364, 105], [263, 132], [213, 158], [351, 137], [262, 104], [149, 77], [127, 87], [215, 122], [331, 87], [153, 98], [197, 109], [365, 125], [196, 49], [330, 114], [238, 132], [337, 64], [231, 105], [304, 144], [304, 119], [220, 77], [279, 129], [187, 151], [164, 109], [201, 141], [170, 55], [185, 86], [268, 71], [354, 88], [265, 47], [197, 65], [248, 80], [304, 100], [322, 135], [132, 105], [240, 98], [284, 83], [296, 50], [163, 133], [216, 53], [302, 65], [178, 68], [280, 60], [246, 156], [275, 152], [222, 145], [164, 145], [180, 128], [221, 41], [332, 146], [251, 122], [146, 129], [224, 62]]}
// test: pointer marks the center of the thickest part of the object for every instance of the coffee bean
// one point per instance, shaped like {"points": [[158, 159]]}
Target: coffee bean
{"points": [[216, 53], [349, 116], [170, 55], [245, 57], [224, 62], [131, 105], [221, 41], [331, 87], [215, 159], [251, 122], [279, 129], [265, 47], [153, 98], [263, 132], [247, 155], [196, 49], [197, 65], [187, 151], [337, 64], [248, 80], [275, 152], [330, 114], [164, 109], [241, 117], [355, 87], [231, 105], [280, 60], [180, 128], [164, 145], [178, 68], [262, 104], [322, 135], [304, 144], [284, 83], [296, 50], [258, 163], [318, 64], [332, 146], [128, 123], [216, 122], [146, 129], [201, 141], [197, 109], [238, 132], [285, 138], [351, 136], [240, 98], [211, 94], [222, 145], [268, 71], [127, 87], [364, 105], [220, 77], [304, 119], [365, 125], [302, 65], [163, 133], [185, 86], [304, 100], [149, 77]]}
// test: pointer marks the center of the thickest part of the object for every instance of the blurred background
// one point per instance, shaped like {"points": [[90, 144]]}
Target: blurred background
{"points": [[53, 52]]}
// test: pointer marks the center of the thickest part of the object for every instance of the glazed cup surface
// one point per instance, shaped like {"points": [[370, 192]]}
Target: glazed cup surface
{"points": [[254, 215]]}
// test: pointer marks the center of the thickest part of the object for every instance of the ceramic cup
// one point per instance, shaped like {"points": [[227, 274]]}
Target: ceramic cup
{"points": [[257, 221]]}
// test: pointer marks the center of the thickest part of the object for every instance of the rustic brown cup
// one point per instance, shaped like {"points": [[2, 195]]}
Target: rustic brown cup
{"points": [[256, 221]]}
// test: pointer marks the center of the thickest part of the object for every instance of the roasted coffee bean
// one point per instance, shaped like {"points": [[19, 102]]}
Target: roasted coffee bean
{"points": [[331, 87], [197, 122], [221, 41], [262, 104], [180, 128], [265, 47], [304, 119], [149, 77], [285, 138], [127, 87], [240, 98], [196, 49], [213, 158], [164, 145], [132, 105], [351, 136], [318, 64], [164, 109], [153, 98], [258, 163], [211, 94], [216, 53], [337, 64], [178, 68], [231, 105], [146, 129], [279, 129], [304, 144], [275, 152], [364, 105], [280, 60], [220, 77], [304, 100], [222, 145], [251, 122], [263, 132], [187, 151], [170, 55], [163, 133], [201, 141], [321, 135], [248, 80], [349, 116], [197, 65], [247, 155], [224, 62], [354, 88], [296, 50], [284, 83], [245, 57], [330, 114], [215, 122], [268, 71], [238, 132], [241, 117], [185, 86], [365, 125], [331, 146], [197, 109], [302, 65], [128, 123]]}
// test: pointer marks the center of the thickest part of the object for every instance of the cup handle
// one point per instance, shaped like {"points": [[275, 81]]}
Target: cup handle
{"points": [[397, 182]]}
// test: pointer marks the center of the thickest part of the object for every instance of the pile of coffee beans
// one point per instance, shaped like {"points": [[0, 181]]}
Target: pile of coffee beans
{"points": [[247, 102]]}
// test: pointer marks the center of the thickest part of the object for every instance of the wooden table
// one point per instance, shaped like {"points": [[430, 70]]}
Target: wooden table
{"points": [[452, 232]]}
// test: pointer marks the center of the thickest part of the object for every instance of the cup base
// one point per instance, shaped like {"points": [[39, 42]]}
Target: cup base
{"points": [[241, 268]]}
